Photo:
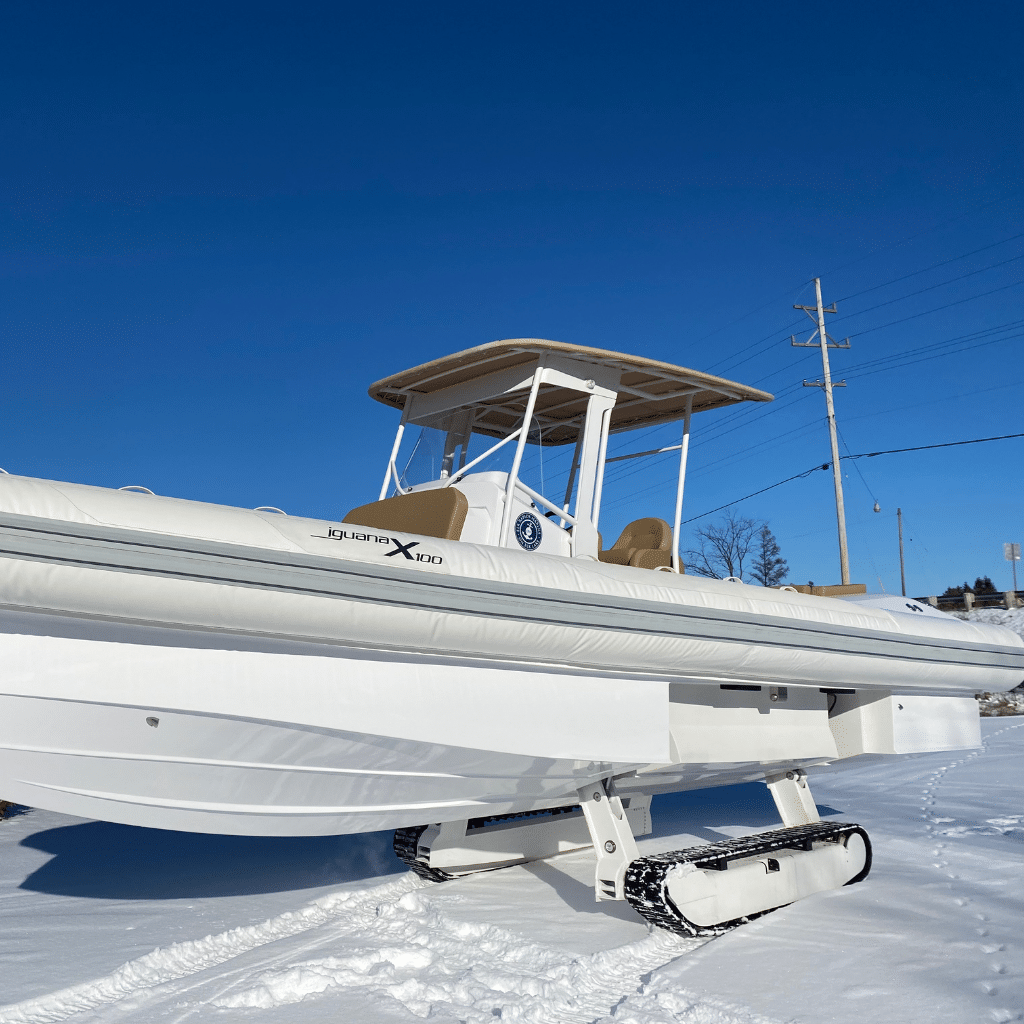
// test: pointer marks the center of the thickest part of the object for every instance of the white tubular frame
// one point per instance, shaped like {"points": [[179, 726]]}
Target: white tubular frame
{"points": [[394, 455], [606, 419], [513, 476], [586, 474], [573, 470], [458, 434], [549, 505], [640, 455], [585, 541], [684, 449], [463, 470]]}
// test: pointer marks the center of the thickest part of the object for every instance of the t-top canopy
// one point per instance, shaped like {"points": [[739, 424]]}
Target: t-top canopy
{"points": [[649, 391]]}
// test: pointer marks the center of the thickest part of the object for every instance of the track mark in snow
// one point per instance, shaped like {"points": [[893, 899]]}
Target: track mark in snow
{"points": [[1011, 825], [434, 965], [864, 992], [992, 827], [185, 958], [658, 1004]]}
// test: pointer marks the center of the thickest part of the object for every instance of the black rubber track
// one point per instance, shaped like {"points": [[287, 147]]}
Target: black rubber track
{"points": [[406, 840], [406, 844], [645, 883]]}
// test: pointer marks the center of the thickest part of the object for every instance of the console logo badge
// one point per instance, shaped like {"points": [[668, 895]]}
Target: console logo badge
{"points": [[528, 531]]}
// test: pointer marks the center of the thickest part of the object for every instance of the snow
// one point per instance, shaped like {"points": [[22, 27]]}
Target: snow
{"points": [[1010, 618], [998, 705], [109, 923]]}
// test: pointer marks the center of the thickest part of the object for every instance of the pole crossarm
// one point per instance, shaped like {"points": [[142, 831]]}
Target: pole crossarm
{"points": [[810, 343], [816, 314]]}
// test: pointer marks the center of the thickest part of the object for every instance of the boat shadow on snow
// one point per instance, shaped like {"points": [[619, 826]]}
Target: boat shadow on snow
{"points": [[103, 860], [109, 861], [711, 815]]}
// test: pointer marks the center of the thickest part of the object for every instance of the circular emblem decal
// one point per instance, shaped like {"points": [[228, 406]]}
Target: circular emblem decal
{"points": [[528, 531]]}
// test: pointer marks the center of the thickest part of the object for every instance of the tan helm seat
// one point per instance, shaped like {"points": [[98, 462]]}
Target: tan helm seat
{"points": [[644, 543], [436, 513]]}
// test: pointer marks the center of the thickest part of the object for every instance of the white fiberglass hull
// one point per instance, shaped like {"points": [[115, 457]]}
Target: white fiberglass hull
{"points": [[307, 678], [318, 741]]}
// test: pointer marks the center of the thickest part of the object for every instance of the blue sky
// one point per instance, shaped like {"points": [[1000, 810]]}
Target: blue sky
{"points": [[220, 222]]}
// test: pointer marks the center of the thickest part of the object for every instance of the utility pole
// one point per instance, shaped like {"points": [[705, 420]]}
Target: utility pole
{"points": [[817, 316], [903, 577]]}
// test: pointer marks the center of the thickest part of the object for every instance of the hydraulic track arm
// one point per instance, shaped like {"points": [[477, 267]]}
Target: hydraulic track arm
{"points": [[613, 839]]}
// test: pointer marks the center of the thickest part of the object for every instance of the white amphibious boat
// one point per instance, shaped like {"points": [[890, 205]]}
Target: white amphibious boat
{"points": [[463, 653]]}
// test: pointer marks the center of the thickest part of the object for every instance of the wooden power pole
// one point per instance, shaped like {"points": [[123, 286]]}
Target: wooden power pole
{"points": [[817, 315], [903, 575]]}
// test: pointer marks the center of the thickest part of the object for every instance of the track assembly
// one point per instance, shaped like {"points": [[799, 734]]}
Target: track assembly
{"points": [[705, 891], [688, 891], [406, 845]]}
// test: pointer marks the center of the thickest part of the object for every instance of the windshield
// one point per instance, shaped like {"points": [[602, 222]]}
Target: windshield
{"points": [[440, 451]]}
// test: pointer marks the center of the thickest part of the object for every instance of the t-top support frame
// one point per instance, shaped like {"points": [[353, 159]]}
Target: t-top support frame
{"points": [[600, 385]]}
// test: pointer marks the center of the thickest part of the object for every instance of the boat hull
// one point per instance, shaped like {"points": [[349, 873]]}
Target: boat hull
{"points": [[205, 773], [200, 732], [183, 666]]}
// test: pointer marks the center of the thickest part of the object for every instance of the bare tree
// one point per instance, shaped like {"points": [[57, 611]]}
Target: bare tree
{"points": [[723, 547], [769, 567]]}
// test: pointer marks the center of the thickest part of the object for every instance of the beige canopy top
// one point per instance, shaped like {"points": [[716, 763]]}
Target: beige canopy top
{"points": [[649, 391]]}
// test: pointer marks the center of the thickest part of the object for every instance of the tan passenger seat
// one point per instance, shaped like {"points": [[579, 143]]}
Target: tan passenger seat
{"points": [[436, 513], [644, 543]]}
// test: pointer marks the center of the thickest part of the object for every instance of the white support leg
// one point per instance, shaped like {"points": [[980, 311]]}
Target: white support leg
{"points": [[793, 797], [612, 836], [445, 833]]}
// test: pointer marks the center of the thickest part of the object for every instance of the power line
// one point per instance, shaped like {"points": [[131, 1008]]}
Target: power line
{"points": [[971, 336], [934, 401], [931, 287], [740, 319], [927, 447], [934, 266], [659, 462], [774, 334], [925, 231], [937, 350], [746, 416], [958, 302], [766, 342], [860, 455], [618, 474], [789, 479], [753, 350], [874, 498], [936, 355]]}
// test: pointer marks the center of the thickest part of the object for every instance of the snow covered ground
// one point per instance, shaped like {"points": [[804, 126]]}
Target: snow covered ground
{"points": [[1000, 704], [109, 923]]}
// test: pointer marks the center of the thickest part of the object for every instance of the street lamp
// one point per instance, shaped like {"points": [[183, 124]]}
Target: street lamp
{"points": [[1011, 552]]}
